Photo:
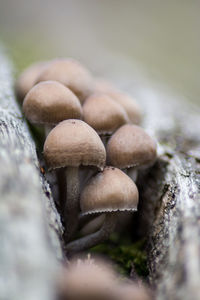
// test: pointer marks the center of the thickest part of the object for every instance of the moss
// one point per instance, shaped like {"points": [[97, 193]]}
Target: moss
{"points": [[125, 254]]}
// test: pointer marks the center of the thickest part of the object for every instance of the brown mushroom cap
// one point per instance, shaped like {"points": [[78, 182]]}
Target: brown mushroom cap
{"points": [[50, 102], [70, 73], [103, 114], [129, 104], [28, 78], [101, 85], [74, 143], [131, 146], [109, 191], [87, 280]]}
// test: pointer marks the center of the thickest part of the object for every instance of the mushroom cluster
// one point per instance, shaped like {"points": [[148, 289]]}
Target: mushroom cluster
{"points": [[94, 139]]}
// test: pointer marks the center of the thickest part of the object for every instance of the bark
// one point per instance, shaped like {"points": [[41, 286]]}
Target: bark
{"points": [[169, 210], [30, 227]]}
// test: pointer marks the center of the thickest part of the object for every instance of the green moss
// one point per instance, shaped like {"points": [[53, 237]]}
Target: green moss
{"points": [[125, 254]]}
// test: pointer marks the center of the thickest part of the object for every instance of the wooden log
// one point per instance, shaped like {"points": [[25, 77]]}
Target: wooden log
{"points": [[30, 227], [169, 213]]}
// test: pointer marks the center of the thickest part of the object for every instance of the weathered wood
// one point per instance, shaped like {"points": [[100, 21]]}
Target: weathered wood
{"points": [[170, 198], [30, 228]]}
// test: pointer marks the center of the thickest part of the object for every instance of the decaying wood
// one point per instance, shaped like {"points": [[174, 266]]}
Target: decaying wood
{"points": [[30, 228], [170, 198]]}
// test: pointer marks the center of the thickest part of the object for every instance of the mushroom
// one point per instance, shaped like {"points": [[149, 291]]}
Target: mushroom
{"points": [[109, 192], [87, 280], [103, 114], [130, 290], [70, 73], [131, 148], [128, 103], [102, 85], [27, 79], [70, 144], [49, 103]]}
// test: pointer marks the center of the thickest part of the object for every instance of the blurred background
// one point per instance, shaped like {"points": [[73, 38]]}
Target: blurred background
{"points": [[157, 42]]}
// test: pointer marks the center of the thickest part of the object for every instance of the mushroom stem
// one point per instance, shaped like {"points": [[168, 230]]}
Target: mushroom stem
{"points": [[132, 173], [84, 176], [71, 210], [93, 225], [47, 129], [105, 138], [95, 238], [84, 219]]}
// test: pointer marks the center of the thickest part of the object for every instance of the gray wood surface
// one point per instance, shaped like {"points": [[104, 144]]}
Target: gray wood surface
{"points": [[30, 228], [170, 198]]}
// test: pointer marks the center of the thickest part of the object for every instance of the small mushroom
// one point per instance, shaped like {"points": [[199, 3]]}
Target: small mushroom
{"points": [[103, 114], [49, 103], [70, 144], [129, 104], [130, 290], [27, 79], [104, 86], [130, 147], [87, 280], [70, 73], [109, 192]]}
